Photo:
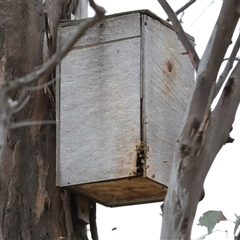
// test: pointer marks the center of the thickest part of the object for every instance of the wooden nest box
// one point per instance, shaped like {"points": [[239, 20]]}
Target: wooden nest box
{"points": [[122, 92]]}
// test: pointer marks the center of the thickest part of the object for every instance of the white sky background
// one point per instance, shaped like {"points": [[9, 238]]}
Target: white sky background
{"points": [[143, 222]]}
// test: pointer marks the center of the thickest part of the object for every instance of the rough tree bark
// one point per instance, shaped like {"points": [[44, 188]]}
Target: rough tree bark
{"points": [[205, 130], [31, 206]]}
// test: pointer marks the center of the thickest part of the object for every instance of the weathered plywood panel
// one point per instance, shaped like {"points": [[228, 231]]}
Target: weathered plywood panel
{"points": [[168, 80], [109, 30], [126, 191], [100, 112]]}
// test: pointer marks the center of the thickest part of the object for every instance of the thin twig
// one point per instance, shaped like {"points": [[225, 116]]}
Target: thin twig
{"points": [[30, 123], [41, 86], [58, 56], [15, 103], [181, 34], [180, 20], [22, 105], [183, 8], [228, 67], [235, 59]]}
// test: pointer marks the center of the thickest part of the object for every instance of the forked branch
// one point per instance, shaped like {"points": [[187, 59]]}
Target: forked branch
{"points": [[210, 63], [200, 139]]}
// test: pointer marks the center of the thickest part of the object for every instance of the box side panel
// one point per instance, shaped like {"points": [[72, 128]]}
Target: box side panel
{"points": [[100, 112], [167, 85], [110, 29]]}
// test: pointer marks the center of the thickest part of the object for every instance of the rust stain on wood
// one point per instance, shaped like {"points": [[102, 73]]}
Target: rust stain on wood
{"points": [[169, 66], [170, 76], [141, 159]]}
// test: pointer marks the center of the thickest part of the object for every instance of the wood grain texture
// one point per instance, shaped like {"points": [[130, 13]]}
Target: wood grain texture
{"points": [[100, 112], [168, 81], [124, 191]]}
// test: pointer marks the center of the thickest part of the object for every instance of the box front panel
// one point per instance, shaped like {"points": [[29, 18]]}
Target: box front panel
{"points": [[100, 112]]}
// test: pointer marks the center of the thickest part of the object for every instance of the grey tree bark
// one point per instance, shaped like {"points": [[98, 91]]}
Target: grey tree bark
{"points": [[31, 206], [205, 130]]}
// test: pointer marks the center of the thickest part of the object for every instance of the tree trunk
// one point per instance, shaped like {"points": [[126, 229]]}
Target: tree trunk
{"points": [[31, 206], [205, 130]]}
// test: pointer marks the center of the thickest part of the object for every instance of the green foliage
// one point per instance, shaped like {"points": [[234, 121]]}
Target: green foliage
{"points": [[210, 219]]}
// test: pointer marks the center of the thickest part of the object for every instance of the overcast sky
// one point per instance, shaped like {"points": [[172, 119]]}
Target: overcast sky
{"points": [[143, 222]]}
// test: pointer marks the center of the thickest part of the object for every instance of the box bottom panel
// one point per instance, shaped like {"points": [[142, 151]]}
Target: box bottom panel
{"points": [[122, 192]]}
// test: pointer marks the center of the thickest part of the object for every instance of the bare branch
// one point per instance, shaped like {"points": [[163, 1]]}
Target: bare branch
{"points": [[41, 86], [58, 56], [30, 123], [235, 59], [15, 103], [210, 63], [181, 34], [183, 8], [10, 86], [196, 147], [228, 67], [223, 117], [22, 105]]}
